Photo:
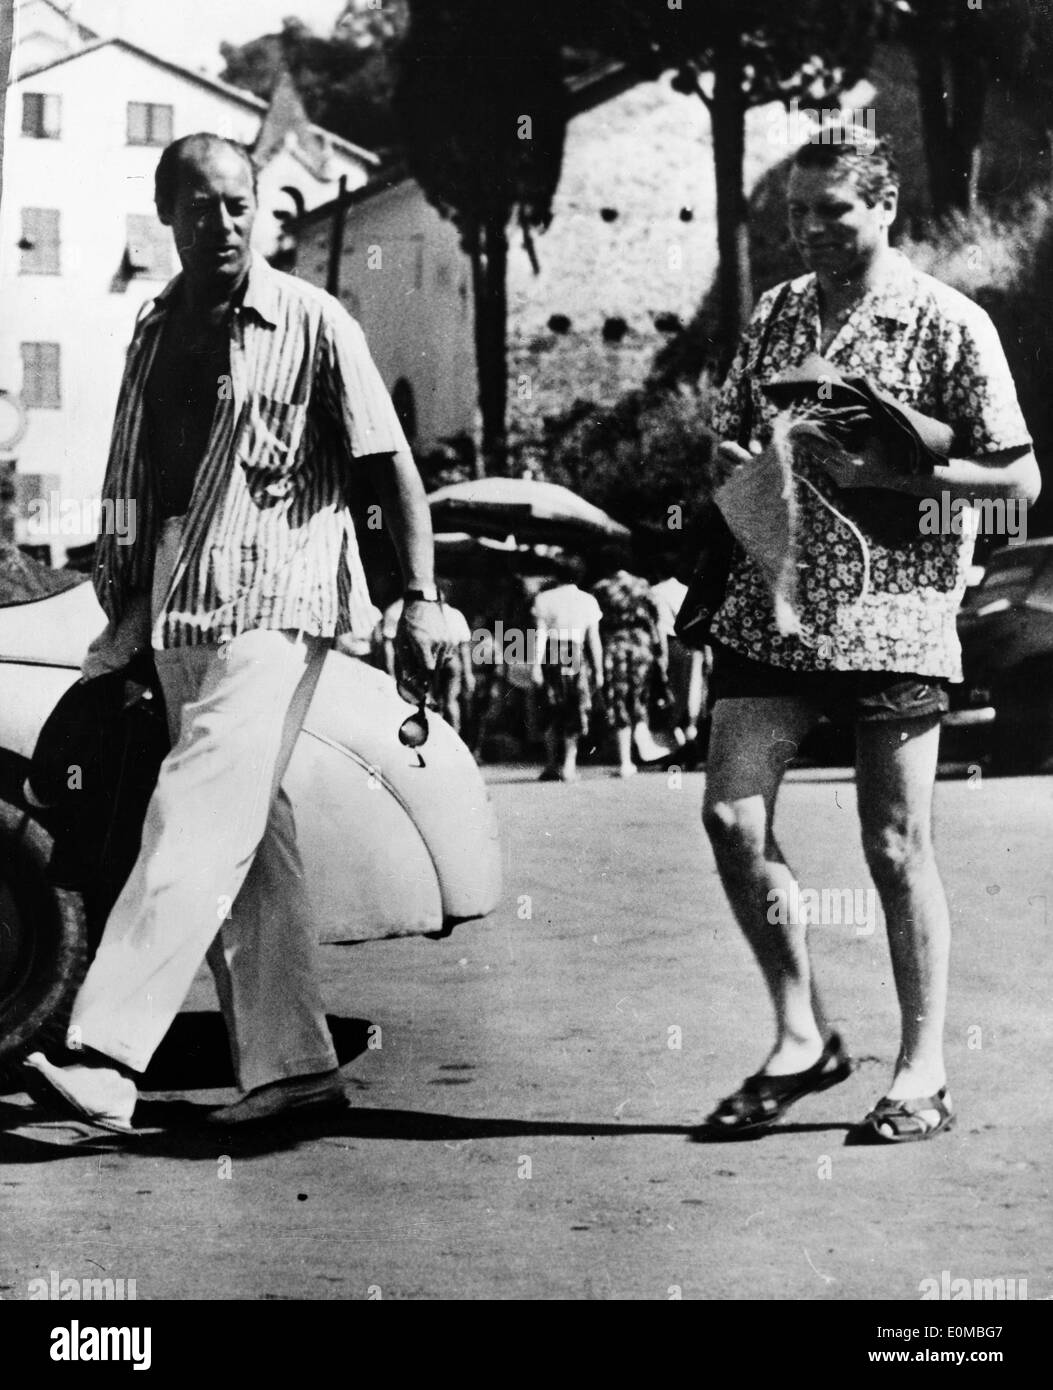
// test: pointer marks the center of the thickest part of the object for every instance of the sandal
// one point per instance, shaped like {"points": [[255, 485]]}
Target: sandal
{"points": [[761, 1100], [905, 1118]]}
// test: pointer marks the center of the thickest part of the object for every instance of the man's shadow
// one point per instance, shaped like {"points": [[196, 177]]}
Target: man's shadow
{"points": [[195, 1055]]}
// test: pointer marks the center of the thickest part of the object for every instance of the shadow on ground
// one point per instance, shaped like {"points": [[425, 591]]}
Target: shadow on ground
{"points": [[177, 1129]]}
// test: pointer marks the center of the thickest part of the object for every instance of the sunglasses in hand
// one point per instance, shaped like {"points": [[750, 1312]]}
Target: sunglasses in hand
{"points": [[413, 732]]}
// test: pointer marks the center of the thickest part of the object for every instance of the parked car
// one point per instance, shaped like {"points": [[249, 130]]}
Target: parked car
{"points": [[395, 842], [1004, 709]]}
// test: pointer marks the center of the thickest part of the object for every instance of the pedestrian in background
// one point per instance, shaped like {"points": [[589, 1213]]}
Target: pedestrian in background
{"points": [[634, 656], [568, 669]]}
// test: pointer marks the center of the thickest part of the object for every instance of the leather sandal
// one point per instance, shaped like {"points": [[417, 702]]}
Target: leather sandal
{"points": [[762, 1100], [905, 1119]]}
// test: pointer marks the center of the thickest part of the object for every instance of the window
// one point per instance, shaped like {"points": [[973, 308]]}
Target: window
{"points": [[149, 247], [40, 376], [41, 116], [40, 242], [149, 124]]}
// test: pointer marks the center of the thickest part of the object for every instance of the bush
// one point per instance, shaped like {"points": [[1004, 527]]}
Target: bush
{"points": [[643, 460]]}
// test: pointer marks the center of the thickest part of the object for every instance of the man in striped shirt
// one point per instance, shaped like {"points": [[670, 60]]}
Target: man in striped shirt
{"points": [[249, 401]]}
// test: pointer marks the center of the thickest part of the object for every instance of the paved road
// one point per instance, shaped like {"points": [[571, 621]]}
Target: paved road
{"points": [[522, 1131]]}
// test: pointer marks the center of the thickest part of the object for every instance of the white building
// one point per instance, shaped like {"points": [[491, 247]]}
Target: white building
{"points": [[81, 248], [401, 272]]}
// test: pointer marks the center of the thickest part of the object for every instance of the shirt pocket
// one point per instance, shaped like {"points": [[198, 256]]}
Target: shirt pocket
{"points": [[269, 446]]}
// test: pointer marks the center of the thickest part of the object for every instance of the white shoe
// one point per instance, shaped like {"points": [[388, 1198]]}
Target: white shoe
{"points": [[98, 1094]]}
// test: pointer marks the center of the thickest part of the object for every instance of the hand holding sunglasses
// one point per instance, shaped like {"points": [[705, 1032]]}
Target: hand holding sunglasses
{"points": [[421, 645]]}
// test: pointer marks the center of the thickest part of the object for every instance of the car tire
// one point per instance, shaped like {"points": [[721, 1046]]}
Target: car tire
{"points": [[1022, 734], [43, 941]]}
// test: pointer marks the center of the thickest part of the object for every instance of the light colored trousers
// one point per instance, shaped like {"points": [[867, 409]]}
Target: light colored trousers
{"points": [[218, 871]]}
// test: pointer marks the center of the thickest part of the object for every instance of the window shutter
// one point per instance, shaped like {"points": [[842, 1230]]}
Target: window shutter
{"points": [[149, 247], [138, 118], [41, 388], [40, 242], [149, 123], [41, 115], [32, 113], [161, 125]]}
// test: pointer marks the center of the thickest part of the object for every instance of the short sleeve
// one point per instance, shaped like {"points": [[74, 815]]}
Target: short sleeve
{"points": [[354, 392], [982, 405]]}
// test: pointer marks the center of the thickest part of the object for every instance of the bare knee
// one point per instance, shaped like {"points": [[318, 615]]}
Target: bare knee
{"points": [[897, 851], [735, 833]]}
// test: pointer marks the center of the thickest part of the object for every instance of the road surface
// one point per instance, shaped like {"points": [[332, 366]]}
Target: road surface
{"points": [[524, 1091]]}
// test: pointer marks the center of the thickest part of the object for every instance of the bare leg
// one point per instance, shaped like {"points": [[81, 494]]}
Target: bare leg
{"points": [[626, 766], [752, 743], [552, 742], [895, 775], [570, 757], [694, 696]]}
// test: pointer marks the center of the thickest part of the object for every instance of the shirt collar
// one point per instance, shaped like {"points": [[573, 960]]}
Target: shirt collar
{"points": [[892, 298], [260, 296]]}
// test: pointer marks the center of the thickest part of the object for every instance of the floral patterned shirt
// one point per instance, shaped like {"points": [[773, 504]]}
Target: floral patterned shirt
{"points": [[629, 613], [929, 347]]}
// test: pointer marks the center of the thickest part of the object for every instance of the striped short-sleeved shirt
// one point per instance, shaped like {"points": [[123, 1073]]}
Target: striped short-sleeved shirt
{"points": [[268, 541]]}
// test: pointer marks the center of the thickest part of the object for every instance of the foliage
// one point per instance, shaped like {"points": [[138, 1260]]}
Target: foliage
{"points": [[346, 81], [808, 50], [1005, 264], [959, 50], [471, 73], [639, 459], [481, 105]]}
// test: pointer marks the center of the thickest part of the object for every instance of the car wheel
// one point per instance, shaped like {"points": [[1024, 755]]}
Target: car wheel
{"points": [[43, 940], [1022, 734]]}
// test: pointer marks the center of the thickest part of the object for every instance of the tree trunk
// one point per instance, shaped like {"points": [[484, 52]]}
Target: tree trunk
{"points": [[728, 114], [935, 132], [488, 250], [969, 95], [952, 91]]}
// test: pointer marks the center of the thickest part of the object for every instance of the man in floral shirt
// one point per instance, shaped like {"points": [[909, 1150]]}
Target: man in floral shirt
{"points": [[877, 638]]}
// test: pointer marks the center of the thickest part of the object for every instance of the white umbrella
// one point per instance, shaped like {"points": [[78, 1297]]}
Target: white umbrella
{"points": [[524, 508]]}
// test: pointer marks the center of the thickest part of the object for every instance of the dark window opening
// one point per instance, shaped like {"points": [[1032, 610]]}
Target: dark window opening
{"points": [[41, 115]]}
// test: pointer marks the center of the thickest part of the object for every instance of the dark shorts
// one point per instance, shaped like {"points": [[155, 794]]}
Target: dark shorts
{"points": [[845, 697]]}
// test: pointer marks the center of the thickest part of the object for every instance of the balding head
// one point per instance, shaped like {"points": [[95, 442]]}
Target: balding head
{"points": [[206, 193], [189, 152]]}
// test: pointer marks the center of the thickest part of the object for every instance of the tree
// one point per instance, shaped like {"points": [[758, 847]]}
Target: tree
{"points": [[481, 107], [959, 47], [734, 54], [346, 81]]}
